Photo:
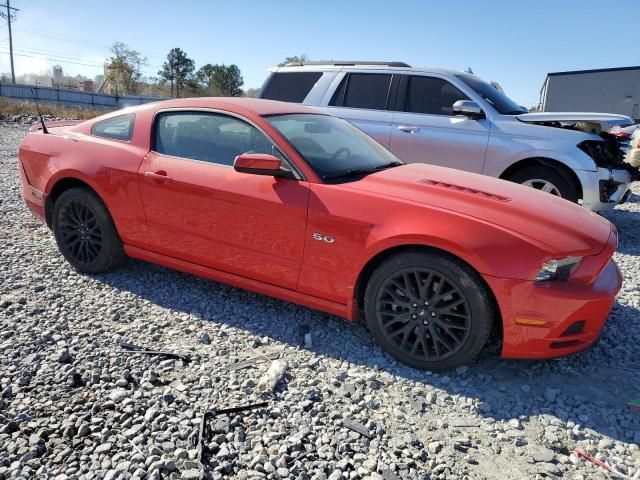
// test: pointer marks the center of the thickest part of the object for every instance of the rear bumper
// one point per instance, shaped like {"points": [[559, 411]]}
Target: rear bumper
{"points": [[34, 198], [554, 319]]}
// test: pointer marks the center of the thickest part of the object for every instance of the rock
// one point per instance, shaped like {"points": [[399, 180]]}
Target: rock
{"points": [[64, 356], [103, 448], [550, 394], [270, 379], [544, 455], [463, 422], [118, 395], [435, 447]]}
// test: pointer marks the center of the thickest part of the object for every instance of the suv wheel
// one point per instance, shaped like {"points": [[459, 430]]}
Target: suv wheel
{"points": [[429, 310], [547, 180], [85, 233]]}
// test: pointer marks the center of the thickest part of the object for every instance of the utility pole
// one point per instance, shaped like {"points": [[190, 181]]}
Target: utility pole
{"points": [[9, 17]]}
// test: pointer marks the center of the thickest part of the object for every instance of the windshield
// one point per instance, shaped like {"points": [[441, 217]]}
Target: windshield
{"points": [[491, 94], [333, 147]]}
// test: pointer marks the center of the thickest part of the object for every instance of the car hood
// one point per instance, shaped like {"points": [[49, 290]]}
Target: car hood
{"points": [[604, 120], [555, 225]]}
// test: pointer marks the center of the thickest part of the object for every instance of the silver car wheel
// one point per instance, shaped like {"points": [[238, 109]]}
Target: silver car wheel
{"points": [[543, 185]]}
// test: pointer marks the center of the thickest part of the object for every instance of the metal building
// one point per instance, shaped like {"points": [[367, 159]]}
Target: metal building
{"points": [[605, 90]]}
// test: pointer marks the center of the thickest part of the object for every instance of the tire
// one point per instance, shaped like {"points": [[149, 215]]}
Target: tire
{"points": [[85, 232], [539, 176], [399, 326]]}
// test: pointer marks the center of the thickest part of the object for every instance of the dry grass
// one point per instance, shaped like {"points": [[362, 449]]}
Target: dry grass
{"points": [[10, 108]]}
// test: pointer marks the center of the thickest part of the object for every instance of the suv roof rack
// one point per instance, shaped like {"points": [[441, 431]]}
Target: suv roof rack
{"points": [[348, 63]]}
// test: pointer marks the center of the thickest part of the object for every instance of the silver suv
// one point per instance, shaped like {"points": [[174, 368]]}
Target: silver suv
{"points": [[457, 120]]}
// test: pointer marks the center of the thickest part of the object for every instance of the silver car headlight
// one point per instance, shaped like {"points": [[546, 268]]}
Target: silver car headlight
{"points": [[559, 269]]}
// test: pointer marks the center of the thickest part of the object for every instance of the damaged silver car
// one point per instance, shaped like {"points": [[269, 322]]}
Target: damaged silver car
{"points": [[458, 120]]}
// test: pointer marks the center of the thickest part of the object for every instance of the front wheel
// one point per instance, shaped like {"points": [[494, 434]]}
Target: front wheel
{"points": [[85, 232], [429, 310], [547, 180]]}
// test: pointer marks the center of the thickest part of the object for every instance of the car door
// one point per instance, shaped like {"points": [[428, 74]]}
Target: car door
{"points": [[362, 99], [198, 208], [425, 130]]}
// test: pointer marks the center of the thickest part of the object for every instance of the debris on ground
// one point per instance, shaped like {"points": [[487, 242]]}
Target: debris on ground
{"points": [[250, 362], [602, 464], [127, 347], [356, 427], [272, 376]]}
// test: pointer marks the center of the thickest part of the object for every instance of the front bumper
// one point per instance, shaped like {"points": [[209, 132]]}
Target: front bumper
{"points": [[546, 320], [604, 188]]}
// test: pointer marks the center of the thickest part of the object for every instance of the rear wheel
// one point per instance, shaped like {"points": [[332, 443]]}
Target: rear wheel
{"points": [[85, 232], [546, 179], [429, 310]]}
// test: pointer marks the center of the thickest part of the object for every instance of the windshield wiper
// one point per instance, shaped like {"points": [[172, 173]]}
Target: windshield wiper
{"points": [[357, 172], [388, 165], [515, 112]]}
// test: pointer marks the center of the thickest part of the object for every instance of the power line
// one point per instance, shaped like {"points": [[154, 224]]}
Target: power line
{"points": [[75, 40], [62, 36], [58, 60]]}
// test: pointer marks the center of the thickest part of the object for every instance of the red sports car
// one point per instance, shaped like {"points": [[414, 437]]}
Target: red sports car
{"points": [[279, 199]]}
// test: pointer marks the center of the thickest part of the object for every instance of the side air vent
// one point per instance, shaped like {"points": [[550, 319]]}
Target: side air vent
{"points": [[472, 191]]}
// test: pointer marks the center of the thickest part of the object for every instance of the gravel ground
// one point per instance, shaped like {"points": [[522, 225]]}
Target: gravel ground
{"points": [[72, 405]]}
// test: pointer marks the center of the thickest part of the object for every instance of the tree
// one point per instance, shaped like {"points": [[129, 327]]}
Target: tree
{"points": [[251, 92], [225, 80], [294, 59], [124, 69], [177, 70]]}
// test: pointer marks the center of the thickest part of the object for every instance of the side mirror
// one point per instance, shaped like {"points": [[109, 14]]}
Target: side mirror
{"points": [[469, 109], [260, 164]]}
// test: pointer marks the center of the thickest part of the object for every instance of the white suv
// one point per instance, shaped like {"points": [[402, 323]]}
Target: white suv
{"points": [[457, 120]]}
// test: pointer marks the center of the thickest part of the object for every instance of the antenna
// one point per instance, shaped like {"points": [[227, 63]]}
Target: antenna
{"points": [[35, 100]]}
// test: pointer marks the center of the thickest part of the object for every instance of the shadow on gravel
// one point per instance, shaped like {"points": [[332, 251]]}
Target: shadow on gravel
{"points": [[578, 388]]}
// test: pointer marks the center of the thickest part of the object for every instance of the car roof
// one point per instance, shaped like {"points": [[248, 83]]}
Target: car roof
{"points": [[329, 67], [241, 105]]}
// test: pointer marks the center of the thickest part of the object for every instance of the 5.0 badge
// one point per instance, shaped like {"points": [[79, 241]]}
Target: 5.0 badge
{"points": [[323, 238]]}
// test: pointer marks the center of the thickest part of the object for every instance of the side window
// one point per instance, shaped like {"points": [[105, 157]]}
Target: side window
{"points": [[431, 95], [119, 128], [363, 90], [290, 87], [209, 137]]}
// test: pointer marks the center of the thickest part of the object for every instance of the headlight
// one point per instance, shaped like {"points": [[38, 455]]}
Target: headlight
{"points": [[557, 269], [601, 152]]}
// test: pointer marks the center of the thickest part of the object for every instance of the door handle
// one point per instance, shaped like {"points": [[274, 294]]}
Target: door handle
{"points": [[160, 176], [408, 128]]}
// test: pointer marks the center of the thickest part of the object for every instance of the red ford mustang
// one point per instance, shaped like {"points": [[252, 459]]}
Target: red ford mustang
{"points": [[278, 199]]}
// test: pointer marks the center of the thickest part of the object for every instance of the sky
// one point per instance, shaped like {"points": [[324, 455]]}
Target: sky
{"points": [[512, 42]]}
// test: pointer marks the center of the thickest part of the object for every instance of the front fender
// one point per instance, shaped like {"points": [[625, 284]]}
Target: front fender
{"points": [[481, 245]]}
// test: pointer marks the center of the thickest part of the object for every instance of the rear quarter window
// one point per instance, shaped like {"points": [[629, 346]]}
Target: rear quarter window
{"points": [[117, 128], [290, 87], [363, 90]]}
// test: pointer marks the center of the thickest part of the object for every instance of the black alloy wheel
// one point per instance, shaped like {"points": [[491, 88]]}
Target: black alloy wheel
{"points": [[429, 309], [80, 233], [423, 314], [85, 232]]}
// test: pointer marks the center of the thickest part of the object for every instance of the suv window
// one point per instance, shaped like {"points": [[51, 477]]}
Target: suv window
{"points": [[209, 137], [431, 95], [290, 87], [363, 90], [119, 128]]}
